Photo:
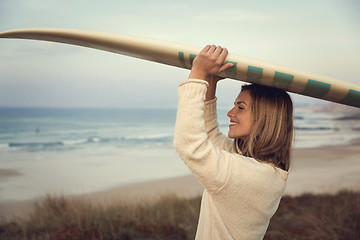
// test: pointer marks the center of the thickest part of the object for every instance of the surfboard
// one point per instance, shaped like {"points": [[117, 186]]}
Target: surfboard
{"points": [[182, 55]]}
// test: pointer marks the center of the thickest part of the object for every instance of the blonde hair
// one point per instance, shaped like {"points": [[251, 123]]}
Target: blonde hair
{"points": [[270, 138]]}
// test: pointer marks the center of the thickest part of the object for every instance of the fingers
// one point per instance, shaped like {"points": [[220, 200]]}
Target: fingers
{"points": [[205, 49], [219, 54], [210, 61], [214, 50], [225, 67], [223, 54], [216, 53]]}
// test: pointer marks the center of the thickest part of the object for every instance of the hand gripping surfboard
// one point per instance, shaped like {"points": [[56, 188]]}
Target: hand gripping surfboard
{"points": [[181, 55]]}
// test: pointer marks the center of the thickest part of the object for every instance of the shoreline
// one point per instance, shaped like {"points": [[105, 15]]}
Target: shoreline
{"points": [[327, 169]]}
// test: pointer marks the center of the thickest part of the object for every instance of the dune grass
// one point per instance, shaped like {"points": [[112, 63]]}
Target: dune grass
{"points": [[314, 217], [58, 218]]}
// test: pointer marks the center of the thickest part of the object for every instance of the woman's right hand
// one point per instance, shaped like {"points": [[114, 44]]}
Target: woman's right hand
{"points": [[209, 63]]}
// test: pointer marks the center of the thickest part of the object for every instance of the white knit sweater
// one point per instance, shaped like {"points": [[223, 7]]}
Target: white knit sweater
{"points": [[241, 194]]}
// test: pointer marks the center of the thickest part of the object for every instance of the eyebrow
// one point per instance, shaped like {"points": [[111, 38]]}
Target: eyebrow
{"points": [[237, 103]]}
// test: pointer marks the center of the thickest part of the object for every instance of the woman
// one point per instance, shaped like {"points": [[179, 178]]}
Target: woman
{"points": [[244, 174]]}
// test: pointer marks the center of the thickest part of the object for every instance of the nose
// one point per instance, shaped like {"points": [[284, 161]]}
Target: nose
{"points": [[231, 112]]}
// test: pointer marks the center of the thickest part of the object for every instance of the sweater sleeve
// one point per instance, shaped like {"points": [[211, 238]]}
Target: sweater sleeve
{"points": [[207, 162], [212, 127]]}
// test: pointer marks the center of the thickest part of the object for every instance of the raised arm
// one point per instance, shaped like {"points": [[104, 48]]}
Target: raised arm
{"points": [[209, 163], [208, 61]]}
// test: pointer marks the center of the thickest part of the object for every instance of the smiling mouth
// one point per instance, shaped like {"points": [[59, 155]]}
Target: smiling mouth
{"points": [[232, 124]]}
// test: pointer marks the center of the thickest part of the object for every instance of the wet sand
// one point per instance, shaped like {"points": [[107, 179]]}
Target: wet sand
{"points": [[8, 173]]}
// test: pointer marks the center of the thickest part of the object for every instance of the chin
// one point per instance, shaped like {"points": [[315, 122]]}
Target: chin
{"points": [[232, 136]]}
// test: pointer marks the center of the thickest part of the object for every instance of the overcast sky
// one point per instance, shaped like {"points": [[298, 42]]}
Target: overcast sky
{"points": [[320, 36]]}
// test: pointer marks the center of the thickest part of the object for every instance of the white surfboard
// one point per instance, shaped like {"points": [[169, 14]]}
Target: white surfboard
{"points": [[180, 55]]}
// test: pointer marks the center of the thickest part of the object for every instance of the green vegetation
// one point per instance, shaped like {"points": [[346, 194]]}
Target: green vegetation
{"points": [[304, 217]]}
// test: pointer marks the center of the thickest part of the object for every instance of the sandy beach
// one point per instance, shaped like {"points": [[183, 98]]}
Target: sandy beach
{"points": [[319, 170], [314, 170]]}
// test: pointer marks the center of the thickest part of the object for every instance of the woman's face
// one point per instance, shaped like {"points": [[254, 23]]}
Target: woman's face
{"points": [[241, 120]]}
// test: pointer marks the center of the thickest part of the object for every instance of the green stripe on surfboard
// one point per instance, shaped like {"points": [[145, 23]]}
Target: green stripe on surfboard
{"points": [[231, 72], [316, 88], [192, 57], [352, 98], [254, 74], [182, 60], [282, 80]]}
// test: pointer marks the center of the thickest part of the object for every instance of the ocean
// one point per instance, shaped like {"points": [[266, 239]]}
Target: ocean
{"points": [[75, 151]]}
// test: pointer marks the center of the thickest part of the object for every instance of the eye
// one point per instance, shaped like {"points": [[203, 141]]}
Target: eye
{"points": [[241, 108]]}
